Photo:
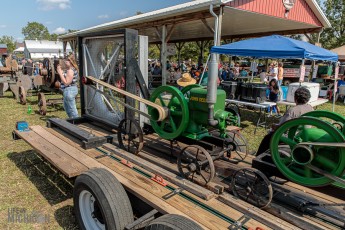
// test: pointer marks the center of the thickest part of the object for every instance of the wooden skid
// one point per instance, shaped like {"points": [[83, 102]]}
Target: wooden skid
{"points": [[48, 142]]}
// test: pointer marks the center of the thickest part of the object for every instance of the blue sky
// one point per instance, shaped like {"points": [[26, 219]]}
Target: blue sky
{"points": [[61, 15]]}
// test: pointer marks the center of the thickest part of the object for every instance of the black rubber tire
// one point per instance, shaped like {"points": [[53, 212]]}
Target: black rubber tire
{"points": [[173, 222], [113, 201]]}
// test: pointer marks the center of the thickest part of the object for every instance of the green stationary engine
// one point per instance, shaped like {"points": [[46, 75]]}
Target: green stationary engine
{"points": [[191, 121], [310, 150], [188, 113]]}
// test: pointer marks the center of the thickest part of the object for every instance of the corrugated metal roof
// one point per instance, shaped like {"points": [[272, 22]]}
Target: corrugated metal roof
{"points": [[178, 10], [3, 46], [45, 46], [149, 16]]}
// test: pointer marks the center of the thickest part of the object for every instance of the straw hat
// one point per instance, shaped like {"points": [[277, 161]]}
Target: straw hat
{"points": [[186, 80]]}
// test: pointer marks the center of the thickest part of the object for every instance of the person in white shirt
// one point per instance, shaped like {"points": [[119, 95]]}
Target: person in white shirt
{"points": [[262, 75], [273, 72]]}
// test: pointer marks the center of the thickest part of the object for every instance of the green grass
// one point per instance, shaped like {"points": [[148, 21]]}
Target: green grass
{"points": [[25, 180], [28, 182]]}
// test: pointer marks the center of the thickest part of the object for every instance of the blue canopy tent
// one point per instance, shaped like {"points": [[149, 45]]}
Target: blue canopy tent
{"points": [[276, 46]]}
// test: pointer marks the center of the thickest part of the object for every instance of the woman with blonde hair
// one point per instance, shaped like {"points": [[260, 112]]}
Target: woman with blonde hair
{"points": [[69, 80]]}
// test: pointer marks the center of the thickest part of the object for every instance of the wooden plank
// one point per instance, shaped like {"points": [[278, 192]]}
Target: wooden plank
{"points": [[173, 178], [62, 161], [65, 147], [187, 208], [256, 213]]}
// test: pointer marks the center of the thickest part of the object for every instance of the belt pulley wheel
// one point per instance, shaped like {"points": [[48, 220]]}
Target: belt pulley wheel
{"points": [[252, 186], [294, 164], [337, 120], [42, 104], [178, 113], [22, 95], [194, 161], [130, 136]]}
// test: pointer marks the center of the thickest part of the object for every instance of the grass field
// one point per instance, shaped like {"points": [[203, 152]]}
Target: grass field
{"points": [[27, 182]]}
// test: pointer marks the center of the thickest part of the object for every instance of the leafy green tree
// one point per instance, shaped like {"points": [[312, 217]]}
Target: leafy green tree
{"points": [[190, 51], [35, 30], [53, 37], [154, 52], [9, 41], [335, 12]]}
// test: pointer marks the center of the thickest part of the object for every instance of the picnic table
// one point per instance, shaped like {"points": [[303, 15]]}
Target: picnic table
{"points": [[316, 103], [263, 108]]}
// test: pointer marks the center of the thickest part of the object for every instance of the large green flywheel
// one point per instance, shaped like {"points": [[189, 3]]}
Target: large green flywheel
{"points": [[294, 163], [178, 113]]}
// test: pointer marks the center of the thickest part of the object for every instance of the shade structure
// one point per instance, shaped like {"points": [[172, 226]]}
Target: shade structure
{"points": [[276, 46], [341, 52]]}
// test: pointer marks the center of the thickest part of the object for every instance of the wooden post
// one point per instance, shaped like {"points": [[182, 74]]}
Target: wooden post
{"points": [[163, 54], [131, 40], [143, 57]]}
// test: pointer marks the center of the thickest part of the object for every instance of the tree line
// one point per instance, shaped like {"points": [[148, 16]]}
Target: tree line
{"points": [[32, 31]]}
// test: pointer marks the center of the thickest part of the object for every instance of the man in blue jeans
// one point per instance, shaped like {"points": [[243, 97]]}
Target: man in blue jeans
{"points": [[69, 79]]}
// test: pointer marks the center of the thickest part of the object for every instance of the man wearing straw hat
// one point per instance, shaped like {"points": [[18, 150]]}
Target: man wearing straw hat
{"points": [[186, 80]]}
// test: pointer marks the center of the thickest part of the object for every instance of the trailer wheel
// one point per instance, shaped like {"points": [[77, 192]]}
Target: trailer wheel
{"points": [[173, 222], [100, 201]]}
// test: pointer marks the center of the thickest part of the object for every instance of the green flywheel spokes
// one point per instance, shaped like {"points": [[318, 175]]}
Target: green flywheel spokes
{"points": [[293, 159], [335, 119], [178, 114]]}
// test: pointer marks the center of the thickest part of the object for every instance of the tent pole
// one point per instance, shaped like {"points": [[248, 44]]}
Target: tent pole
{"points": [[335, 88], [300, 82]]}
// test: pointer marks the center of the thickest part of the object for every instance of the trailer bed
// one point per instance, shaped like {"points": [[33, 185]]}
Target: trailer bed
{"points": [[66, 154]]}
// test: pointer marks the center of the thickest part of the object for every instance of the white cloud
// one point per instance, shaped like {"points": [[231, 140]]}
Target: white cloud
{"points": [[103, 16], [3, 26], [53, 4], [59, 30]]}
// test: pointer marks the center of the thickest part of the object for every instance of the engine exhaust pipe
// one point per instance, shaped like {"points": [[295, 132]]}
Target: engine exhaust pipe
{"points": [[212, 76]]}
